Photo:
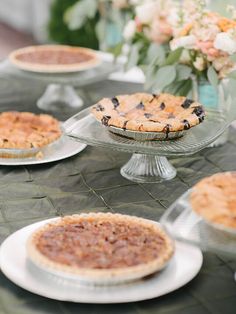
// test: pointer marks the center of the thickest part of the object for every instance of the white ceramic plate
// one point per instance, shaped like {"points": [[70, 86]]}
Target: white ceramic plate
{"points": [[184, 266], [65, 148]]}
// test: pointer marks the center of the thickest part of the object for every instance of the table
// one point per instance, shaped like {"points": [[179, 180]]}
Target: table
{"points": [[91, 181]]}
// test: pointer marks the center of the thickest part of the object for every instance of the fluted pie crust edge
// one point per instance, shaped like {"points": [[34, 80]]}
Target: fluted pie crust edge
{"points": [[102, 276], [93, 61]]}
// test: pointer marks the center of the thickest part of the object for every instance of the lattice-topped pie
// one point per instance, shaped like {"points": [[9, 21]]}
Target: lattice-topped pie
{"points": [[54, 58], [149, 113], [25, 130], [214, 198], [101, 247]]}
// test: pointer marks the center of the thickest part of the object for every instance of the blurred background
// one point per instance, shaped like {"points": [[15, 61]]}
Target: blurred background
{"points": [[92, 23]]}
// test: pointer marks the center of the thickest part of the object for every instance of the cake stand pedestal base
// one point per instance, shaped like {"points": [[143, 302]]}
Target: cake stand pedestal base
{"points": [[148, 168], [59, 97]]}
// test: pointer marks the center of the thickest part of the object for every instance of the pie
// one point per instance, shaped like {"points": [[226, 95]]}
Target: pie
{"points": [[101, 247], [149, 112], [54, 58], [214, 198], [27, 131]]}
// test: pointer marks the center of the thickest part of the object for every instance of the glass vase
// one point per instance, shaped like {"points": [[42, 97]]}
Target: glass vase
{"points": [[213, 99]]}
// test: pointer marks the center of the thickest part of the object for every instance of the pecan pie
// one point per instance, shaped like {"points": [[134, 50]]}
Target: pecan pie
{"points": [[149, 112], [54, 58], [214, 198], [25, 130], [101, 247]]}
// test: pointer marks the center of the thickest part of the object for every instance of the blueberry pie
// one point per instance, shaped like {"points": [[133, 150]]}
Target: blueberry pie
{"points": [[101, 247], [54, 58], [214, 198], [149, 112]]}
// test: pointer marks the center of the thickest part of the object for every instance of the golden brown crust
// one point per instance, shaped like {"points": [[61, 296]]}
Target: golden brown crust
{"points": [[214, 198], [19, 59], [111, 275], [27, 131], [149, 113]]}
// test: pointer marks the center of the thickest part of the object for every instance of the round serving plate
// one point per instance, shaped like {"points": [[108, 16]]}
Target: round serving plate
{"points": [[184, 266], [61, 149]]}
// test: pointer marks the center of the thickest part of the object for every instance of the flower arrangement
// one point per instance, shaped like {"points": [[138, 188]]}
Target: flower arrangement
{"points": [[176, 44], [59, 32], [153, 20], [111, 16]]}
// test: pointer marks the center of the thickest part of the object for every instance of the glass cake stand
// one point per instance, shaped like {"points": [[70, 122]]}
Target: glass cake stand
{"points": [[183, 224], [148, 162], [60, 93]]}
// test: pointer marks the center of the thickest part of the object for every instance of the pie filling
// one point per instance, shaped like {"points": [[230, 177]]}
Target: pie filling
{"points": [[100, 244], [55, 57], [214, 198], [25, 130], [149, 112]]}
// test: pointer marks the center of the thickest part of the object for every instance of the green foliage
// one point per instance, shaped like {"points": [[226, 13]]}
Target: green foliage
{"points": [[134, 55], [79, 13], [212, 76], [232, 75], [60, 32], [183, 72], [164, 77], [173, 56]]}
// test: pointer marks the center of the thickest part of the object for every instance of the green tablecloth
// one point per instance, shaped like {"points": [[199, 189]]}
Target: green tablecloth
{"points": [[91, 181]]}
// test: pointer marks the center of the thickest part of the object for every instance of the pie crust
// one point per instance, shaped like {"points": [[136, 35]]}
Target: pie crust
{"points": [[144, 112], [25, 133], [214, 198], [100, 248], [54, 58]]}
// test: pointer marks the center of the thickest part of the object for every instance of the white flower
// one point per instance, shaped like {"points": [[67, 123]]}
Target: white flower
{"points": [[129, 30], [146, 12], [120, 4], [134, 2], [225, 42], [208, 32], [185, 57], [222, 62], [199, 63], [174, 17], [187, 42], [231, 9]]}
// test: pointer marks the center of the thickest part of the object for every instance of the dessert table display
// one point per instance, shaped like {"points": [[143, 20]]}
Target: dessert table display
{"points": [[90, 182]]}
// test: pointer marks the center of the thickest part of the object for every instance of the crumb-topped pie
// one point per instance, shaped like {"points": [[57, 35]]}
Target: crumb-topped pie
{"points": [[54, 58], [26, 131], [101, 247], [214, 198], [144, 112]]}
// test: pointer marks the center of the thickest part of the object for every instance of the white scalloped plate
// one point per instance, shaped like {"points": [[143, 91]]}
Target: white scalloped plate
{"points": [[63, 149], [184, 266]]}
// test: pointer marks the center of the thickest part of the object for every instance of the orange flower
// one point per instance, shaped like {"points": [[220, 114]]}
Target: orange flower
{"points": [[186, 29], [226, 24], [139, 26]]}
